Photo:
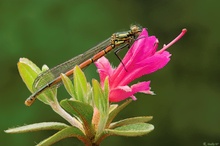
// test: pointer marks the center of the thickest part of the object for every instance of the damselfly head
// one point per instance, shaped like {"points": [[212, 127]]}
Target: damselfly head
{"points": [[135, 29]]}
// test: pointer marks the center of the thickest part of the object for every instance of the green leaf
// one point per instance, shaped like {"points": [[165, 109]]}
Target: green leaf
{"points": [[89, 94], [37, 127], [28, 72], [79, 109], [45, 68], [80, 84], [130, 121], [49, 96], [138, 129], [68, 85], [65, 133], [114, 112], [112, 107], [98, 96], [106, 96], [102, 103]]}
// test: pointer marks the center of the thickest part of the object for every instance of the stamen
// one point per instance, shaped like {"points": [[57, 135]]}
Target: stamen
{"points": [[173, 41]]}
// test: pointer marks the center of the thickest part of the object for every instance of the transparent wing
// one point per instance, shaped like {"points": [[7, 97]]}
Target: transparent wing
{"points": [[50, 75]]}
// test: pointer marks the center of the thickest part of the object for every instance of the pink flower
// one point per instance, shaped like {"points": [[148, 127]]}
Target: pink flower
{"points": [[141, 59]]}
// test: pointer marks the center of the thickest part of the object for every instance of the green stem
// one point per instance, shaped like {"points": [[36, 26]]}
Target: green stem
{"points": [[59, 110]]}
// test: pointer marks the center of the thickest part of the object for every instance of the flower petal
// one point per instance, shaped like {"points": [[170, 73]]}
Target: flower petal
{"points": [[143, 87], [147, 66], [104, 68], [138, 51], [142, 49], [141, 59], [122, 92], [138, 69]]}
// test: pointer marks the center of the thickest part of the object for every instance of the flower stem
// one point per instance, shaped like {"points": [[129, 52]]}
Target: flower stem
{"points": [[173, 41], [59, 110]]}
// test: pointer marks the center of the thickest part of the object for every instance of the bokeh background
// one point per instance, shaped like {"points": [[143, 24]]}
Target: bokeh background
{"points": [[186, 108]]}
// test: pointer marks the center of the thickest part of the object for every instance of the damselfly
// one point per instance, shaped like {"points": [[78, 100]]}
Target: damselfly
{"points": [[51, 77]]}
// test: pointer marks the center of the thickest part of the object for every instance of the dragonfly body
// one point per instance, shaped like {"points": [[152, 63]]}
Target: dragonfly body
{"points": [[52, 77]]}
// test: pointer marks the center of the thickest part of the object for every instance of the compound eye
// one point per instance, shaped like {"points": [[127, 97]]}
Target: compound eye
{"points": [[135, 28]]}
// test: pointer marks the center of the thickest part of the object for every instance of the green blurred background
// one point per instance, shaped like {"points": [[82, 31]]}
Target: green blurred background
{"points": [[186, 108]]}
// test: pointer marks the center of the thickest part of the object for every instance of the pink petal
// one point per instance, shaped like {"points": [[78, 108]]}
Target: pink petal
{"points": [[133, 97], [141, 49], [146, 66], [104, 68], [143, 87], [122, 92]]}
